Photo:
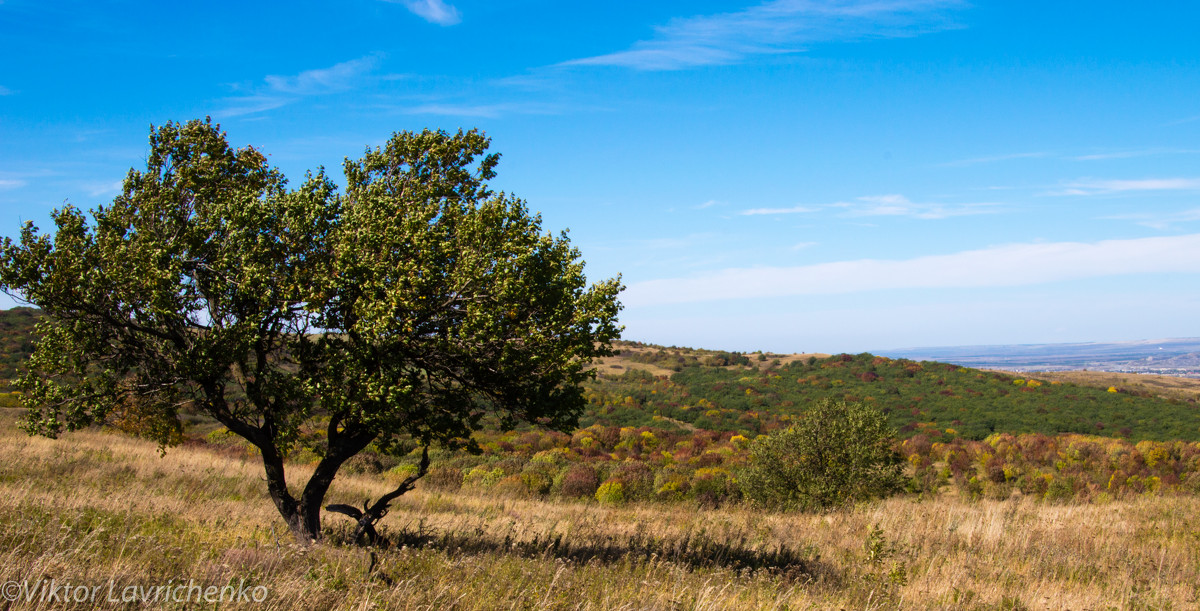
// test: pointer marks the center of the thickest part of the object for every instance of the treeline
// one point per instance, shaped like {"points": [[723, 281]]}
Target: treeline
{"points": [[944, 400]]}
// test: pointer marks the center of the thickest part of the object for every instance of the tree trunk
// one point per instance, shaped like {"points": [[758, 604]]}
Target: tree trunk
{"points": [[306, 525], [288, 508], [370, 514]]}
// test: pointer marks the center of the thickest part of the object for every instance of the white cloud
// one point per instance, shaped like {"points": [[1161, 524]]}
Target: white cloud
{"points": [[898, 205], [993, 159], [5, 90], [1133, 153], [97, 189], [333, 79], [283, 90], [248, 105], [11, 184], [1010, 265], [792, 210], [433, 11], [1183, 120], [778, 26], [885, 205], [1103, 187], [708, 204], [489, 111], [1159, 221]]}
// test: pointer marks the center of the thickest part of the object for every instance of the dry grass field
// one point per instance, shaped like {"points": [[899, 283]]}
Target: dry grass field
{"points": [[94, 508], [1168, 387]]}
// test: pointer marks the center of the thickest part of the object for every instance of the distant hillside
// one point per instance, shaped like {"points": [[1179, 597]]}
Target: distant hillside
{"points": [[16, 340], [751, 393], [758, 394], [1179, 357]]}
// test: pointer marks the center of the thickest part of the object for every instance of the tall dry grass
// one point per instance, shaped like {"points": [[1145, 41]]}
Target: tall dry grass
{"points": [[94, 507]]}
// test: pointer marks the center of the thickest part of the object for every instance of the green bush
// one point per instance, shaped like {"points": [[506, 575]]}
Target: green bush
{"points": [[839, 453], [611, 492]]}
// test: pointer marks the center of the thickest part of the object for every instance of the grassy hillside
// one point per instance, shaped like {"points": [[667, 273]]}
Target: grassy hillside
{"points": [[1041, 519], [749, 394], [92, 508], [752, 395]]}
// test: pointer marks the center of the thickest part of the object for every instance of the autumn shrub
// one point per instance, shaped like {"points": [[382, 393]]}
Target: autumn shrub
{"points": [[1060, 489], [483, 477], [637, 479], [536, 483], [611, 492], [512, 486], [577, 481], [713, 487], [443, 478], [838, 453], [1032, 484]]}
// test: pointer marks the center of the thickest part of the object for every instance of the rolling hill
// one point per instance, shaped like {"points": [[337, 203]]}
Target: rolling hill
{"points": [[673, 388]]}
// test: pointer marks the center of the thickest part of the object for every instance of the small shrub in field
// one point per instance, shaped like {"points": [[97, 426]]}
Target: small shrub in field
{"points": [[1060, 489], [672, 489], [365, 463], [637, 478], [839, 453], [536, 482], [578, 481], [713, 486], [611, 492], [1033, 484], [512, 486], [482, 477], [443, 478]]}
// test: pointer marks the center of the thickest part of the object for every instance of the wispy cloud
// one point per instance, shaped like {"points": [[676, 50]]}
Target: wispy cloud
{"points": [[1183, 120], [1125, 154], [885, 205], [339, 77], [433, 11], [1132, 153], [1105, 187], [281, 90], [708, 204], [248, 105], [792, 210], [898, 205], [992, 159], [778, 26], [5, 90], [6, 184], [97, 189], [1001, 266], [1158, 221], [489, 111]]}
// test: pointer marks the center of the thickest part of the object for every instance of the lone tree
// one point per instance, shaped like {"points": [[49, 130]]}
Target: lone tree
{"points": [[416, 307], [840, 452]]}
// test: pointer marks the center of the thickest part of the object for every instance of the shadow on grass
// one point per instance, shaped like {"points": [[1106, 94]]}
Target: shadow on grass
{"points": [[691, 550]]}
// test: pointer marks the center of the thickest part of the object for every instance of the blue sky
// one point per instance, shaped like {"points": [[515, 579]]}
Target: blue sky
{"points": [[784, 175]]}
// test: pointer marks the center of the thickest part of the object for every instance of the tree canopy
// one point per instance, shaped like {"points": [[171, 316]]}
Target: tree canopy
{"points": [[415, 305]]}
